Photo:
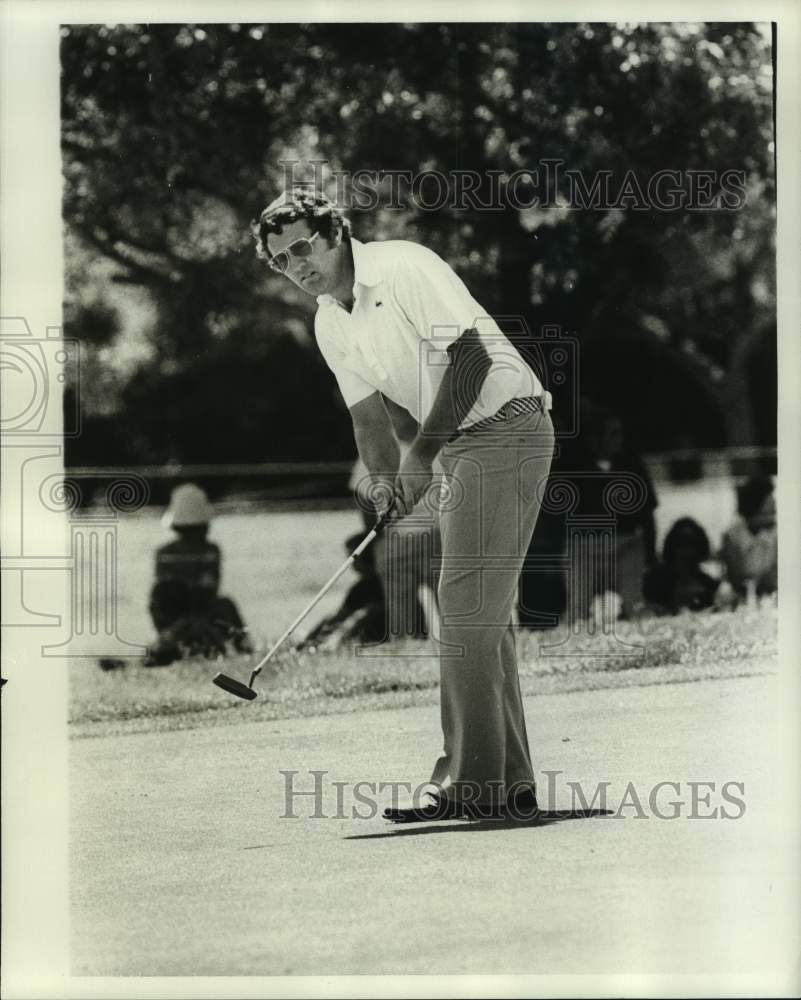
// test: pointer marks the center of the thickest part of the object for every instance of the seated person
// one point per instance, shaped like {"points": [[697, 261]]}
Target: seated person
{"points": [[678, 582], [188, 613], [750, 549], [635, 533], [361, 617]]}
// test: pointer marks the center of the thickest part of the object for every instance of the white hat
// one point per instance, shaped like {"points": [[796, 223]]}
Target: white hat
{"points": [[189, 506]]}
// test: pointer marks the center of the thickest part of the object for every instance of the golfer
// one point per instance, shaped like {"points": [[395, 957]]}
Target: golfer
{"points": [[394, 320]]}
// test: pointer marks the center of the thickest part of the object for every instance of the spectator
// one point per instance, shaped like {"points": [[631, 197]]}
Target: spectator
{"points": [[635, 533], [749, 550], [187, 611], [678, 582], [362, 615]]}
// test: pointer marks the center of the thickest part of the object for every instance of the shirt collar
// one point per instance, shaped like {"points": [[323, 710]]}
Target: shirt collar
{"points": [[365, 272]]}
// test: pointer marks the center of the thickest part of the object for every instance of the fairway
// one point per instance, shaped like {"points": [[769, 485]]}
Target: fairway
{"points": [[182, 864]]}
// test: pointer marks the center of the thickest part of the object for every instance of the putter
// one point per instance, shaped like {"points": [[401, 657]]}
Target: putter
{"points": [[232, 685]]}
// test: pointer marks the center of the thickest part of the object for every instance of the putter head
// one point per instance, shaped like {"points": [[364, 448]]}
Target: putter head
{"points": [[233, 686]]}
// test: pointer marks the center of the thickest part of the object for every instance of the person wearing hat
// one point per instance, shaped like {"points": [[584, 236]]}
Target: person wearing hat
{"points": [[187, 611], [394, 320]]}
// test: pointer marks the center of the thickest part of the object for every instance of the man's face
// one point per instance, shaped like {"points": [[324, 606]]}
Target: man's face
{"points": [[317, 274]]}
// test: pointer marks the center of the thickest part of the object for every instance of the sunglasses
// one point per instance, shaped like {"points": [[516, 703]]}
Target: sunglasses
{"points": [[300, 248]]}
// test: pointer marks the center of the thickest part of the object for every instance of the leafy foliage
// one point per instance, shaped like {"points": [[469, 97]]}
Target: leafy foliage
{"points": [[173, 136]]}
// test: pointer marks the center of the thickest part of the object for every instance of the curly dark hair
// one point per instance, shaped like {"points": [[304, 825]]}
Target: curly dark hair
{"points": [[686, 530], [322, 215]]}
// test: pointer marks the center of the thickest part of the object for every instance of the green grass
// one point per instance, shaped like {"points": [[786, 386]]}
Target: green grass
{"points": [[275, 561], [660, 650]]}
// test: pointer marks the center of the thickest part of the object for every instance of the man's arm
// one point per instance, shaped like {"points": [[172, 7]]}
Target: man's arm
{"points": [[377, 447], [458, 391]]}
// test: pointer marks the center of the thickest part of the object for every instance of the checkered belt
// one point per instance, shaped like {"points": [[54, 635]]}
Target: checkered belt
{"points": [[514, 408]]}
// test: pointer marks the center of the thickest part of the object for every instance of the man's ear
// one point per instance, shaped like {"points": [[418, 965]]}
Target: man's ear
{"points": [[336, 232]]}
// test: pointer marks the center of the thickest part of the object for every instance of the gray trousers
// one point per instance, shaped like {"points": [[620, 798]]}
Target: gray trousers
{"points": [[491, 498]]}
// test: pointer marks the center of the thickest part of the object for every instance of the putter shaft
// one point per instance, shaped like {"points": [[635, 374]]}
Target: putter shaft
{"points": [[236, 687], [324, 590]]}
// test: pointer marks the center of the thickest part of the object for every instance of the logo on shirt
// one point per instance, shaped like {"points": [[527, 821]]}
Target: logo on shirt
{"points": [[378, 304]]}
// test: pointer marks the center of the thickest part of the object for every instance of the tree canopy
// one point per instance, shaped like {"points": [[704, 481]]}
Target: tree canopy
{"points": [[173, 138]]}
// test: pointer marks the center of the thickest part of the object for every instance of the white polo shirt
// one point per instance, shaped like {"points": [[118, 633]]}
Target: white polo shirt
{"points": [[409, 306]]}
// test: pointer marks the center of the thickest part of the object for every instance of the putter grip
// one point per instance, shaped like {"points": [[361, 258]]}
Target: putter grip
{"points": [[381, 523]]}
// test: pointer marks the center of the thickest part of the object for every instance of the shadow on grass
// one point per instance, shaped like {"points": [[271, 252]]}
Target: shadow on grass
{"points": [[545, 817]]}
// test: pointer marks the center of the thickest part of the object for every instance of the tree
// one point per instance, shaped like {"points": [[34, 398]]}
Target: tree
{"points": [[173, 137]]}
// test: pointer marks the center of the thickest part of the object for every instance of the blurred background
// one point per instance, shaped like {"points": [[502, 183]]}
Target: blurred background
{"points": [[199, 364]]}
